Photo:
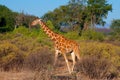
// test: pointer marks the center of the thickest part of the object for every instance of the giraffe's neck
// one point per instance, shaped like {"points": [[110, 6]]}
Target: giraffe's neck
{"points": [[48, 31]]}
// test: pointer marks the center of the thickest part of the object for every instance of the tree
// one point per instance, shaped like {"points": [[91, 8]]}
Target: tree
{"points": [[9, 20], [82, 13], [6, 19], [115, 26], [93, 12], [63, 15], [97, 10], [22, 19]]}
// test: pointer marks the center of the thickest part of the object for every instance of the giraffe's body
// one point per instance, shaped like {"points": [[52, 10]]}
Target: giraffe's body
{"points": [[62, 45]]}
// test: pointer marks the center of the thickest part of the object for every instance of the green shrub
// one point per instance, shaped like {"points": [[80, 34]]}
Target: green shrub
{"points": [[72, 35], [92, 35], [114, 36], [18, 32], [85, 35], [37, 35], [34, 33], [22, 30]]}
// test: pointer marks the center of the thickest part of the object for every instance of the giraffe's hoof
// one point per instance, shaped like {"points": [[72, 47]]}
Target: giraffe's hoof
{"points": [[73, 72]]}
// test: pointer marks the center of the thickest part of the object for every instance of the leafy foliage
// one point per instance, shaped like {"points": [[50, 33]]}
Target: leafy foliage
{"points": [[72, 35], [115, 26], [10, 20], [92, 35], [85, 14], [86, 35], [6, 19], [97, 10]]}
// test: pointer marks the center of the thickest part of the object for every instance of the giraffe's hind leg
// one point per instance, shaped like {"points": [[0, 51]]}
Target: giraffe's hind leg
{"points": [[73, 59], [77, 52]]}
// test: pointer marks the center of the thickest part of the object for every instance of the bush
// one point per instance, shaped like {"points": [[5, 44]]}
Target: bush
{"points": [[22, 30], [85, 35], [94, 67], [92, 35], [38, 60], [114, 36], [72, 35], [11, 57], [103, 51], [36, 34]]}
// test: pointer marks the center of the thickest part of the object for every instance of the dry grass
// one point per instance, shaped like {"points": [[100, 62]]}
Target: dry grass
{"points": [[94, 67], [42, 59]]}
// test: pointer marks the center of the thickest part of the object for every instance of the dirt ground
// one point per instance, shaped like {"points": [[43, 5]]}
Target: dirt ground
{"points": [[24, 75], [60, 70]]}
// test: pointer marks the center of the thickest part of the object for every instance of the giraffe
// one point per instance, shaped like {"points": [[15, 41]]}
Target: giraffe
{"points": [[62, 45]]}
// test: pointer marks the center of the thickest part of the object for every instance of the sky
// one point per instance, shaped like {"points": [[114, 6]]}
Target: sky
{"points": [[40, 7]]}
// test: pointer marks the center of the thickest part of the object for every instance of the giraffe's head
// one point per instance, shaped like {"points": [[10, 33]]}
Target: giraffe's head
{"points": [[35, 22]]}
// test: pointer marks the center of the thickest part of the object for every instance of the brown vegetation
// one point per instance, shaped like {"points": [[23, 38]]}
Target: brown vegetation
{"points": [[24, 51], [94, 67]]}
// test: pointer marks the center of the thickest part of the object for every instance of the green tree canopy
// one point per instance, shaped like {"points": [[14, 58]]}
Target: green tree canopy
{"points": [[83, 13], [9, 20], [98, 10], [6, 19], [115, 26]]}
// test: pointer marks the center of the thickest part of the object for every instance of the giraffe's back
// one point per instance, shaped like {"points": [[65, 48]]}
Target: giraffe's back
{"points": [[65, 44]]}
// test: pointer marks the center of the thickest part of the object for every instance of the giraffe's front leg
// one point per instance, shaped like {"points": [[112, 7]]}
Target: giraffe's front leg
{"points": [[56, 56], [66, 60]]}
